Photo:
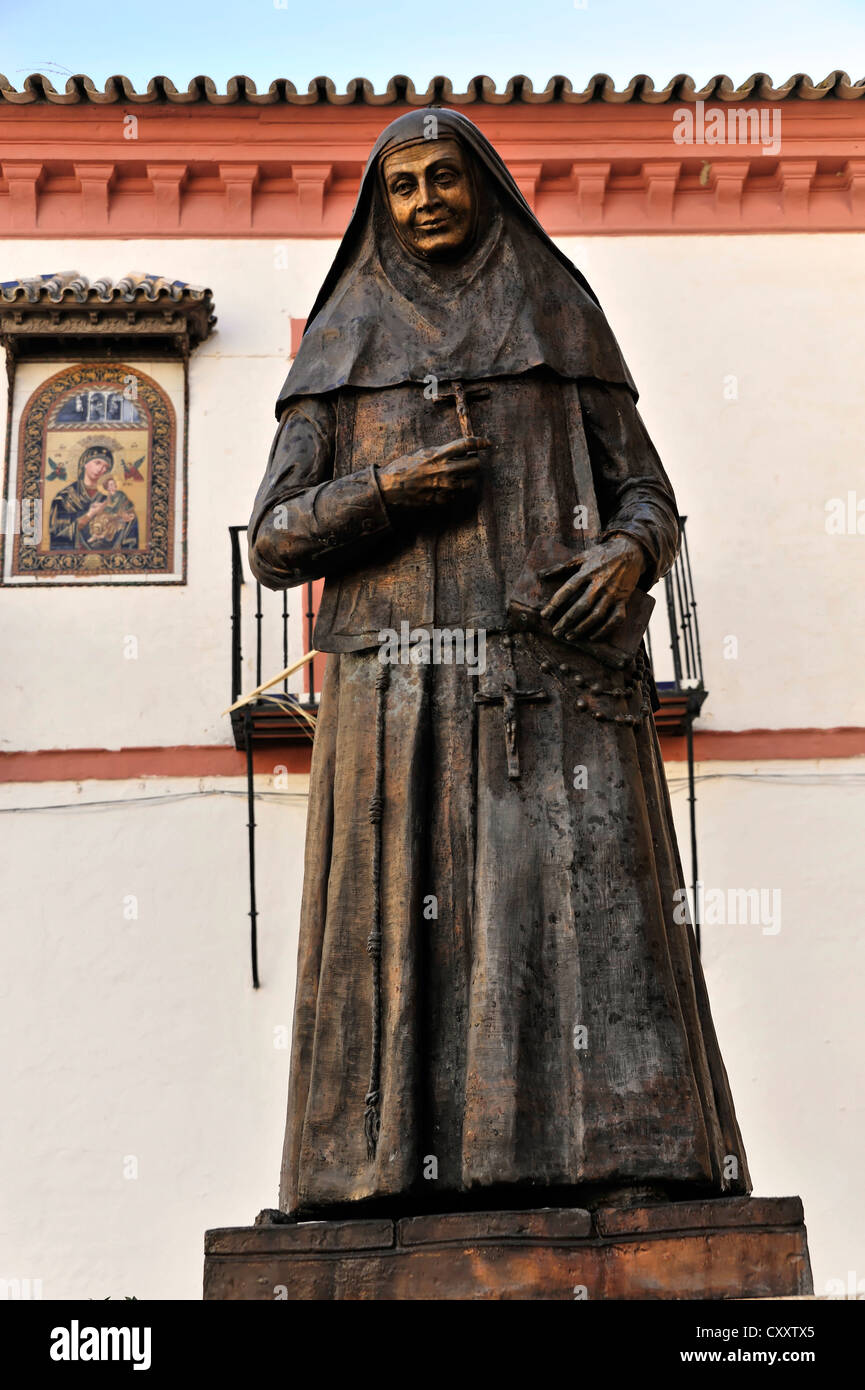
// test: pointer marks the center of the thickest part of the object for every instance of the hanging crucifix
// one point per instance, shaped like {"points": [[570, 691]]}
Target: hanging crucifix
{"points": [[509, 697], [459, 395]]}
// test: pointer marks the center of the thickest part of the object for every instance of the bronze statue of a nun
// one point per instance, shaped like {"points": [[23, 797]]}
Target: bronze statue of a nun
{"points": [[499, 999]]}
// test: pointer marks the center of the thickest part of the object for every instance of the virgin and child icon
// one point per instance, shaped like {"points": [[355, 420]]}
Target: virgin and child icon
{"points": [[94, 513]]}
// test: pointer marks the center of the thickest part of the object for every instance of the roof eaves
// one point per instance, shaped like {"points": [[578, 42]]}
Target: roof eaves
{"points": [[400, 90]]}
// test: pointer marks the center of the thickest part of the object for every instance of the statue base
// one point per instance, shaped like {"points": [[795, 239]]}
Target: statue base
{"points": [[725, 1247]]}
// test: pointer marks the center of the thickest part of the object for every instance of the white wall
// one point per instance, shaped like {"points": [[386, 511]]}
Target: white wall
{"points": [[174, 691], [144, 1038], [785, 315], [787, 1003], [140, 1038]]}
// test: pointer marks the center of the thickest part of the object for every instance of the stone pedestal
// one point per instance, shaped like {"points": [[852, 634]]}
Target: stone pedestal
{"points": [[737, 1247]]}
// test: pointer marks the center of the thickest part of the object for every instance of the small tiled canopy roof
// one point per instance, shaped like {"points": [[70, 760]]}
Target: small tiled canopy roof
{"points": [[359, 91], [40, 309], [70, 285]]}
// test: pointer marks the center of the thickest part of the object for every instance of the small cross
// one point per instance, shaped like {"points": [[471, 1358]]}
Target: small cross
{"points": [[459, 394], [509, 698]]}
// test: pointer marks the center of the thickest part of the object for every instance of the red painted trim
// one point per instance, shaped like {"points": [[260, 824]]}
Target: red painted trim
{"points": [[297, 327], [293, 171], [758, 745], [105, 764], [111, 765]]}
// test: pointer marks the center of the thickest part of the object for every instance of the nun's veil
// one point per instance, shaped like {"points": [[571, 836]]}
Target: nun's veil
{"points": [[515, 302]]}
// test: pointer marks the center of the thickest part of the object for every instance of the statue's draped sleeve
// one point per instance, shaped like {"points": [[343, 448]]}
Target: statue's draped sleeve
{"points": [[305, 523], [635, 497]]}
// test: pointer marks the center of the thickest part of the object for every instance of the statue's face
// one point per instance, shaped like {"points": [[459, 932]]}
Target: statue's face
{"points": [[431, 198]]}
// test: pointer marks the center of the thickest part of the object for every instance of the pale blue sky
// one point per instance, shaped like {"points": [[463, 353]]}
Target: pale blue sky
{"points": [[301, 39]]}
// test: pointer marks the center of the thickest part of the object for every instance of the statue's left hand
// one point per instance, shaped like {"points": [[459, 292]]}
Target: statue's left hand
{"points": [[591, 603]]}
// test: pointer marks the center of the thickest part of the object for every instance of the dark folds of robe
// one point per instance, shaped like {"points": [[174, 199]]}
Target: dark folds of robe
{"points": [[544, 1023]]}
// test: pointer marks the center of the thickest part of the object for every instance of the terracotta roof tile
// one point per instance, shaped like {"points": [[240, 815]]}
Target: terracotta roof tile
{"points": [[69, 285], [401, 90]]}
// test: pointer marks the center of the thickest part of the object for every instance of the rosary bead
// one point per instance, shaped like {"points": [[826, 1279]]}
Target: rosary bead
{"points": [[564, 669], [596, 688], [581, 703], [546, 666], [507, 641], [579, 680]]}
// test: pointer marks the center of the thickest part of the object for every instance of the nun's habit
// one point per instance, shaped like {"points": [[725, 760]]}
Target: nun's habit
{"points": [[497, 997]]}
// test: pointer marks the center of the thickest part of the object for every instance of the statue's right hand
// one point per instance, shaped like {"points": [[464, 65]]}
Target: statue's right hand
{"points": [[432, 476]]}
